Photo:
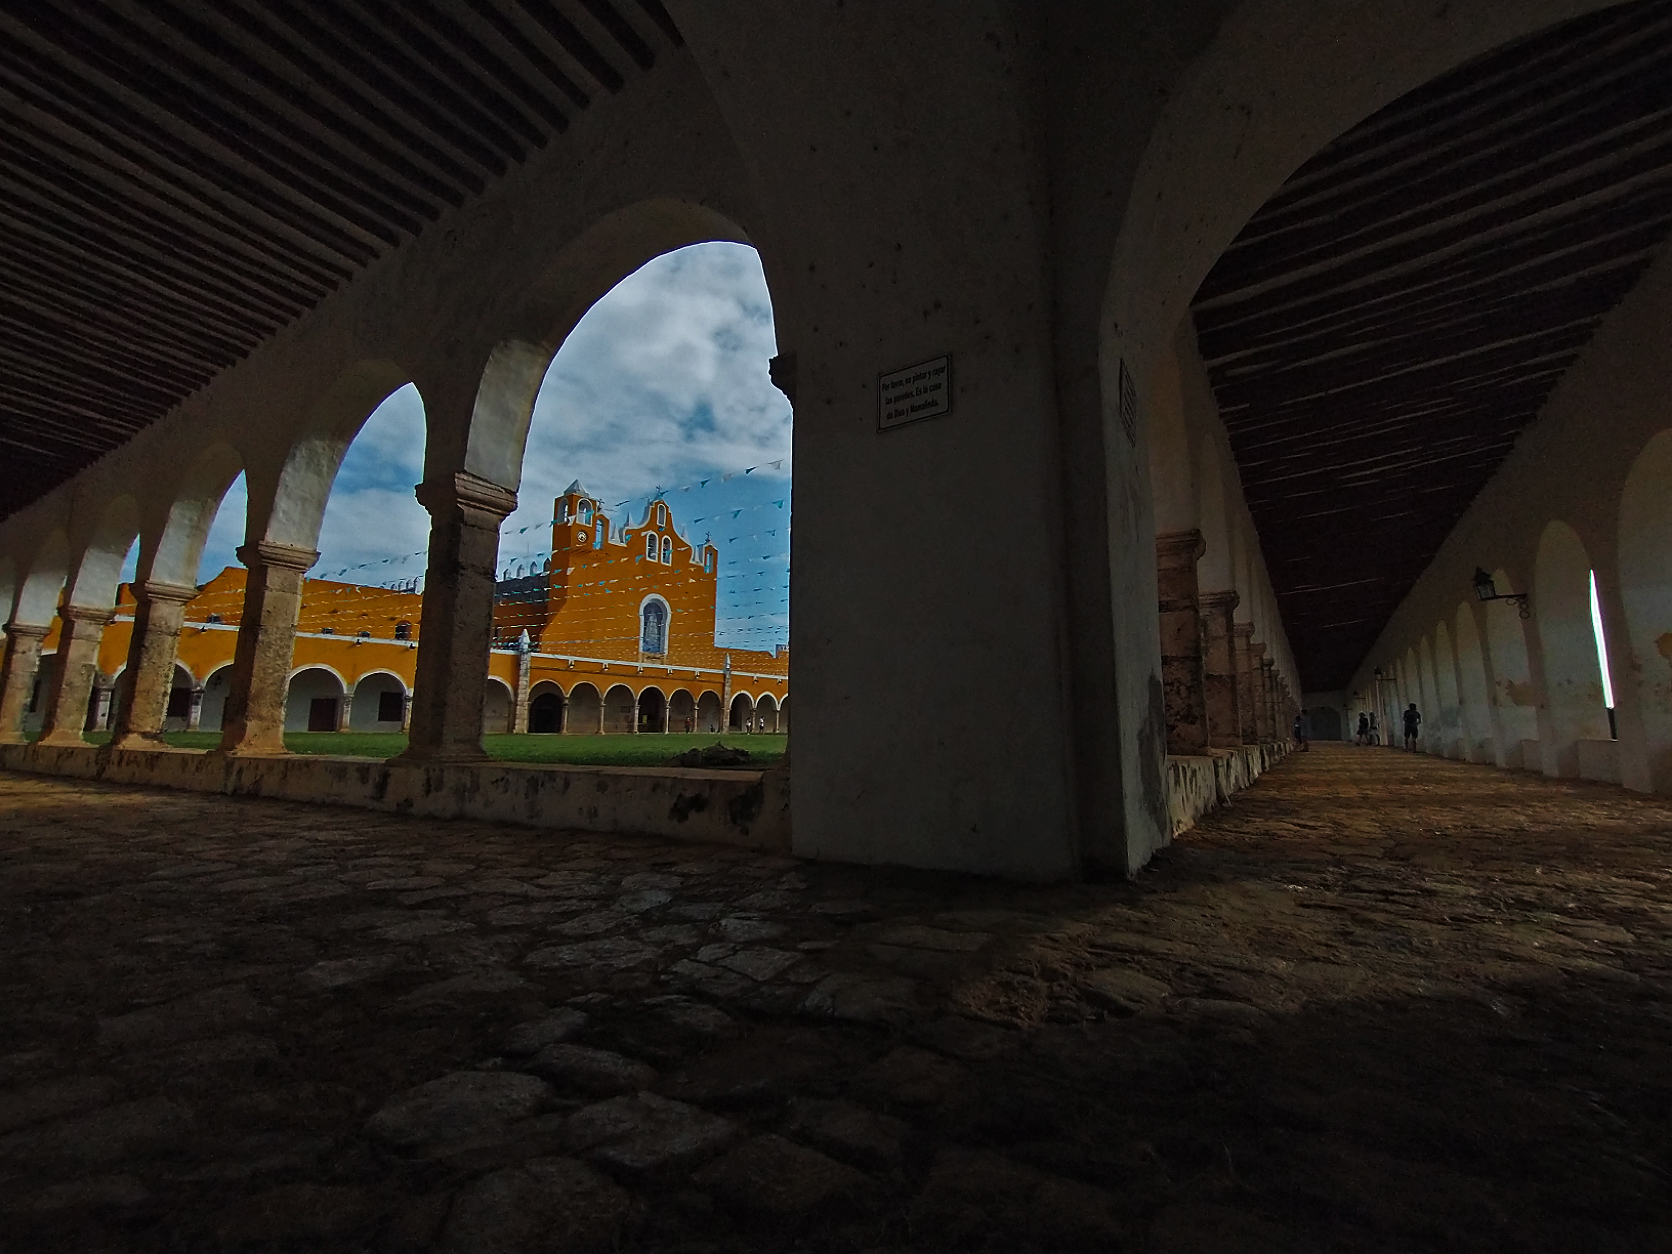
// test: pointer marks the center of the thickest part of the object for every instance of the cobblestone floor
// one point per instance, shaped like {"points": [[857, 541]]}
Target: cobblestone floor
{"points": [[1381, 1003]]}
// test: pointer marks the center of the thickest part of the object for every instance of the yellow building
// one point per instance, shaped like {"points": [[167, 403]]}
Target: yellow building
{"points": [[615, 633]]}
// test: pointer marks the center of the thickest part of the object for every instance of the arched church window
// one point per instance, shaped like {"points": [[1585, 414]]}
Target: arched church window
{"points": [[655, 636], [661, 515], [708, 560], [667, 550], [650, 548]]}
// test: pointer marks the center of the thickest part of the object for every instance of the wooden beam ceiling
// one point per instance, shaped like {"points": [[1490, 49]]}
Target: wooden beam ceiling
{"points": [[1389, 322], [181, 178]]}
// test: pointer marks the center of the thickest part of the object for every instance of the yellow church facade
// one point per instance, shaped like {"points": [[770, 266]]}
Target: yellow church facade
{"points": [[614, 634]]}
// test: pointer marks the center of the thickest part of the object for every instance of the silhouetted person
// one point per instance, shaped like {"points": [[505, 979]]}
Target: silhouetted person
{"points": [[1363, 736], [1303, 731], [1413, 721]]}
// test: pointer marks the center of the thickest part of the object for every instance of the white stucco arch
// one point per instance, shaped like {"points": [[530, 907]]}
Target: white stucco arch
{"points": [[43, 580], [173, 553], [493, 435], [1573, 708], [98, 567]]}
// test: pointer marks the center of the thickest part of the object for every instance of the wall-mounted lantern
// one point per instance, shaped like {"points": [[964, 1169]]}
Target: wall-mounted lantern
{"points": [[1487, 590]]}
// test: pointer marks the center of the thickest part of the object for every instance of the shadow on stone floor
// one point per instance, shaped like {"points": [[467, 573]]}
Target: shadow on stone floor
{"points": [[1316, 1024]]}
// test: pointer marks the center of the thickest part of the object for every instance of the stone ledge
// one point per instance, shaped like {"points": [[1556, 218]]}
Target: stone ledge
{"points": [[1197, 784], [746, 808]]}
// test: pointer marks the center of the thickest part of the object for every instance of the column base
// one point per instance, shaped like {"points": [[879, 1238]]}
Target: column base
{"points": [[421, 756], [140, 740], [13, 738], [250, 751], [63, 736]]}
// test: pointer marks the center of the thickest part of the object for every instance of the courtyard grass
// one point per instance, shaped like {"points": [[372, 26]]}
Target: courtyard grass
{"points": [[616, 750]]}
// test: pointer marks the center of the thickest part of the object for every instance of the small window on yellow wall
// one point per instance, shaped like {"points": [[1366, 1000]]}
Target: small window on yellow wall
{"points": [[655, 623], [667, 550], [661, 515], [650, 548]]}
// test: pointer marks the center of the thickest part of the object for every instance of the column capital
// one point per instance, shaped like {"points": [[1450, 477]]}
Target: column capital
{"points": [[1223, 601], [167, 593], [482, 502], [87, 614], [26, 631], [272, 553], [1179, 548], [1244, 631]]}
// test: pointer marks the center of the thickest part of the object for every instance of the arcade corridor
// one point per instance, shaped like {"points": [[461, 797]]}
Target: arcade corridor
{"points": [[1380, 1002]]}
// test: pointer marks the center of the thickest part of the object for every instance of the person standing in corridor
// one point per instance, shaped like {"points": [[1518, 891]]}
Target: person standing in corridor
{"points": [[1413, 721]]}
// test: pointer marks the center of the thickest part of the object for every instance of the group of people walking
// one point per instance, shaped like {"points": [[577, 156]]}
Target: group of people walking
{"points": [[1368, 733]]}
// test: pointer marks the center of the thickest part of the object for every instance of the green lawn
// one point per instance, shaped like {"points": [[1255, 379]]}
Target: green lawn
{"points": [[587, 750]]}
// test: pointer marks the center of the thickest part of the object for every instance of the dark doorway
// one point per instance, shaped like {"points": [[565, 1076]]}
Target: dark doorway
{"points": [[545, 713], [651, 705], [391, 707], [322, 714]]}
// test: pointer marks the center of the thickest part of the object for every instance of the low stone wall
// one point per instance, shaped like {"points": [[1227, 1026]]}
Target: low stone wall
{"points": [[1196, 785], [748, 808]]}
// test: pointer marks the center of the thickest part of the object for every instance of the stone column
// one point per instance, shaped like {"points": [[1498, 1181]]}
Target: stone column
{"points": [[633, 723], [455, 633], [194, 716], [151, 651], [725, 697], [345, 710], [23, 659], [1219, 665], [78, 666], [599, 730], [562, 714], [1183, 681], [253, 724], [1268, 714], [105, 692], [1247, 711], [667, 714], [406, 710], [1262, 697]]}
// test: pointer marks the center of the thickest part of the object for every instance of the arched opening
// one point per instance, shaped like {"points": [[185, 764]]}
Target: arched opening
{"points": [[545, 709], [1645, 574], [653, 708], [620, 710], [1450, 738], [650, 451], [1326, 722], [742, 714], [766, 714], [784, 717], [313, 701], [1475, 702], [1433, 726], [682, 712], [1574, 708], [178, 716], [379, 703], [215, 690], [497, 702], [710, 713], [586, 711], [1512, 681], [372, 534]]}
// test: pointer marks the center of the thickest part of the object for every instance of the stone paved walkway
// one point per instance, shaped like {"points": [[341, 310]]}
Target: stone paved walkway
{"points": [[1381, 1003]]}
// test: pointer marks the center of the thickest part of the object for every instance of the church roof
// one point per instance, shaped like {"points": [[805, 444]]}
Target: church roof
{"points": [[575, 489]]}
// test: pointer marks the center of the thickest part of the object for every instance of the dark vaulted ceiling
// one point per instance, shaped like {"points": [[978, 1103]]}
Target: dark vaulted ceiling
{"points": [[1388, 323], [180, 178]]}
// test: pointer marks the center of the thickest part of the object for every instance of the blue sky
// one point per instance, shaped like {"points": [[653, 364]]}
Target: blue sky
{"points": [[662, 385]]}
